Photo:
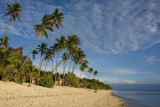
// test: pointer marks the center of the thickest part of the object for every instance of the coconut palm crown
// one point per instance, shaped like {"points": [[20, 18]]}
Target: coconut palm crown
{"points": [[14, 11], [41, 30]]}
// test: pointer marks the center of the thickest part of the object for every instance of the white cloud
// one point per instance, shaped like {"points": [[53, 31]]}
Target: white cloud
{"points": [[116, 80], [116, 28], [152, 59], [106, 27], [123, 71]]}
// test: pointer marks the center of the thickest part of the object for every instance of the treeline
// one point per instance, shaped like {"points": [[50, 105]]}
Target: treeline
{"points": [[16, 67]]}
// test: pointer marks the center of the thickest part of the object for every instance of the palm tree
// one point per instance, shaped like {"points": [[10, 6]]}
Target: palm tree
{"points": [[74, 51], [59, 45], [41, 48], [83, 67], [71, 45], [5, 43], [31, 70], [14, 11], [78, 58], [95, 73], [57, 49], [48, 57], [53, 53], [64, 64], [90, 71], [8, 59], [55, 20], [34, 52], [40, 29]]}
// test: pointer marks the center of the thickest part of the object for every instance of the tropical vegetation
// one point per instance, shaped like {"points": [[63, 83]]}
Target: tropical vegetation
{"points": [[66, 50]]}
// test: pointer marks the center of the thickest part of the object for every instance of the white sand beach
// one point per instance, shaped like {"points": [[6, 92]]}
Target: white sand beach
{"points": [[17, 95]]}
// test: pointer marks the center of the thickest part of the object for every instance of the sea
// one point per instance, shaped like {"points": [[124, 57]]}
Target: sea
{"points": [[138, 95]]}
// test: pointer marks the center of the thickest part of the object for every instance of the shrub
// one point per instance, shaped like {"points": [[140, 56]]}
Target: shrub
{"points": [[46, 81], [71, 79]]}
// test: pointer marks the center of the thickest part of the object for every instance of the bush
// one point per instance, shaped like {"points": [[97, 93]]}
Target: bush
{"points": [[71, 79], [46, 81]]}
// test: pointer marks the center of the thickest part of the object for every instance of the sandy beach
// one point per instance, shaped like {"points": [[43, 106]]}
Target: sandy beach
{"points": [[16, 95]]}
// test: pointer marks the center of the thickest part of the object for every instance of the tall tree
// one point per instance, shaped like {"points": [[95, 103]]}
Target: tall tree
{"points": [[48, 57], [71, 45], [90, 72], [55, 20], [41, 48], [40, 30], [59, 45], [34, 52], [78, 58], [83, 67], [95, 73], [31, 69], [8, 59], [5, 43], [14, 11], [64, 64], [53, 53]]}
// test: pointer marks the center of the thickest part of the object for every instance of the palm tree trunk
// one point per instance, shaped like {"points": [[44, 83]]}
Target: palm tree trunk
{"points": [[94, 77], [74, 67], [45, 51], [45, 66], [81, 74], [52, 64], [38, 35], [40, 63], [59, 63], [40, 60], [56, 68], [89, 75], [70, 65], [64, 71], [6, 31], [30, 79]]}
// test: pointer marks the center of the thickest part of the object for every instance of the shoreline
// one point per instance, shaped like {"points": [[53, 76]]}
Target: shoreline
{"points": [[128, 101], [17, 95]]}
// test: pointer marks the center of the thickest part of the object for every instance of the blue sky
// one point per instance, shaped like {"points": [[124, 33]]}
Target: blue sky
{"points": [[121, 38]]}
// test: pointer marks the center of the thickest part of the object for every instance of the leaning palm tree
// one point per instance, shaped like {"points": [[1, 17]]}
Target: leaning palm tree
{"points": [[53, 53], [55, 20], [58, 46], [48, 57], [83, 67], [40, 30], [57, 50], [90, 71], [71, 45], [78, 58], [34, 52], [41, 48], [95, 73], [14, 11], [64, 64]]}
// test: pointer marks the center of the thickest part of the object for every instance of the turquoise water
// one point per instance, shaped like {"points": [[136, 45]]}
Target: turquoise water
{"points": [[140, 98]]}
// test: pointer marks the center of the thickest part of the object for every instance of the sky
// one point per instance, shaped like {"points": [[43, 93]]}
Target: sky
{"points": [[121, 38]]}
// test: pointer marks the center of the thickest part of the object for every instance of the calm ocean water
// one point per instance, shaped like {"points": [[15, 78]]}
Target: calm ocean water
{"points": [[140, 98]]}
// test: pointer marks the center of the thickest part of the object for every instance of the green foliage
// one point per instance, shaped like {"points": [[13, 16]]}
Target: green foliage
{"points": [[20, 68], [74, 81], [46, 80], [71, 80]]}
